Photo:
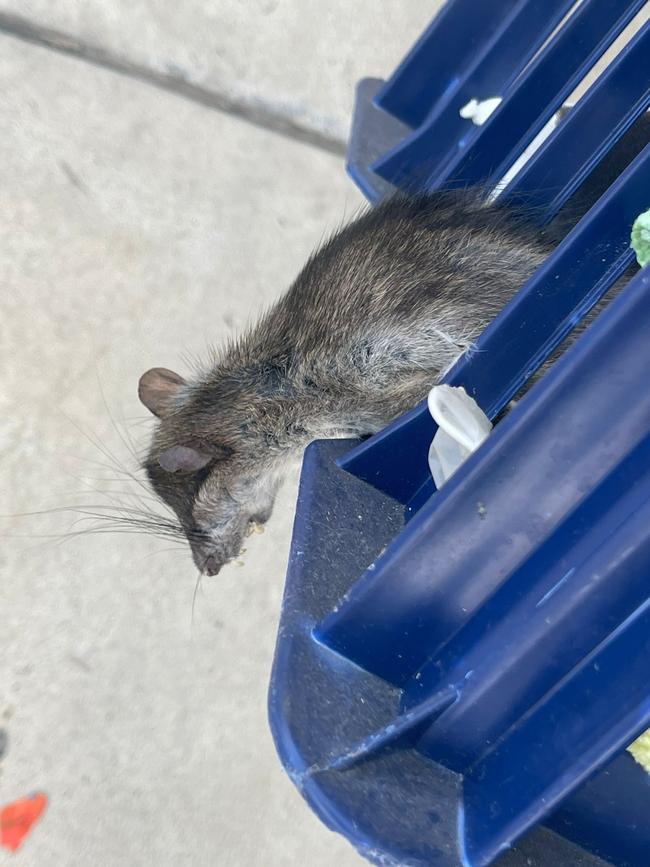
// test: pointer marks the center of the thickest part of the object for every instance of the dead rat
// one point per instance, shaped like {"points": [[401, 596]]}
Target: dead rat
{"points": [[369, 325]]}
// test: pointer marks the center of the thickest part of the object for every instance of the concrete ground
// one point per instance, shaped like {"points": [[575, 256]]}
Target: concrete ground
{"points": [[148, 209]]}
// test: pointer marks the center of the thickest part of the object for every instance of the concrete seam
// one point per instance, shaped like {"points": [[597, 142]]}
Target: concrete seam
{"points": [[256, 113]]}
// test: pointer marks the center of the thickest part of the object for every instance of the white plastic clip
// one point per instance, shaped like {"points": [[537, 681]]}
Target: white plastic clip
{"points": [[462, 427], [478, 111]]}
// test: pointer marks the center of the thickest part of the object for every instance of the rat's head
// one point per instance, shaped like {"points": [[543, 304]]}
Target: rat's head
{"points": [[203, 465]]}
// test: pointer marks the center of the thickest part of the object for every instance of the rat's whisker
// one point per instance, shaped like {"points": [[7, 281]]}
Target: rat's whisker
{"points": [[197, 586]]}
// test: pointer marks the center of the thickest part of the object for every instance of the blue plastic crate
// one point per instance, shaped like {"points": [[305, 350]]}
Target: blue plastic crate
{"points": [[458, 673]]}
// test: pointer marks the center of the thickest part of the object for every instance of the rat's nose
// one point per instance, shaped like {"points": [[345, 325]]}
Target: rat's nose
{"points": [[211, 565]]}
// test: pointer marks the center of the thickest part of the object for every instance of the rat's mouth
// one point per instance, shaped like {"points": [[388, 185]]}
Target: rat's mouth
{"points": [[211, 559], [210, 562], [211, 565], [212, 549]]}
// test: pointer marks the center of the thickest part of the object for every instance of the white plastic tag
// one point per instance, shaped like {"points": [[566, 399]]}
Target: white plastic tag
{"points": [[479, 110], [462, 427]]}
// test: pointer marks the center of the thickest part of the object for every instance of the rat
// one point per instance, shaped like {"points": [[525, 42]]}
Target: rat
{"points": [[371, 323]]}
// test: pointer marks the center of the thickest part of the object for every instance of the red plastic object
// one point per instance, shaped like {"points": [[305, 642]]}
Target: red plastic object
{"points": [[18, 818]]}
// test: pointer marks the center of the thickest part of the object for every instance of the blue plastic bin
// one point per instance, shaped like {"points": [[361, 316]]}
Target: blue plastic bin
{"points": [[458, 673]]}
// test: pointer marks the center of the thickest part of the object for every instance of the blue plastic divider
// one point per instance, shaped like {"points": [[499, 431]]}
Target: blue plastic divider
{"points": [[587, 133], [458, 673], [523, 336], [442, 153]]}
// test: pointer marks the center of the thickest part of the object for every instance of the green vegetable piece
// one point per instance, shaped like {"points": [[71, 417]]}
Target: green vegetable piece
{"points": [[640, 242]]}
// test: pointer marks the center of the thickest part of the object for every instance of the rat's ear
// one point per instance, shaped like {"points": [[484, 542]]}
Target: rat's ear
{"points": [[156, 388], [183, 459]]}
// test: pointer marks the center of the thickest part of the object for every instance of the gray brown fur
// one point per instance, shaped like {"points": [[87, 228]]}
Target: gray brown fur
{"points": [[372, 321], [370, 324]]}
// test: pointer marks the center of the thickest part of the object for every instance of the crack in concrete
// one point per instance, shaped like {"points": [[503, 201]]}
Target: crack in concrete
{"points": [[256, 113]]}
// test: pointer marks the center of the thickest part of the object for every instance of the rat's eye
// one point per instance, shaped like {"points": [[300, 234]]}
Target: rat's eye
{"points": [[200, 477], [194, 482], [203, 474]]}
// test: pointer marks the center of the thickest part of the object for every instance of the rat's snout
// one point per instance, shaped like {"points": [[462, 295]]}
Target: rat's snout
{"points": [[210, 554], [222, 517], [208, 561], [211, 565]]}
